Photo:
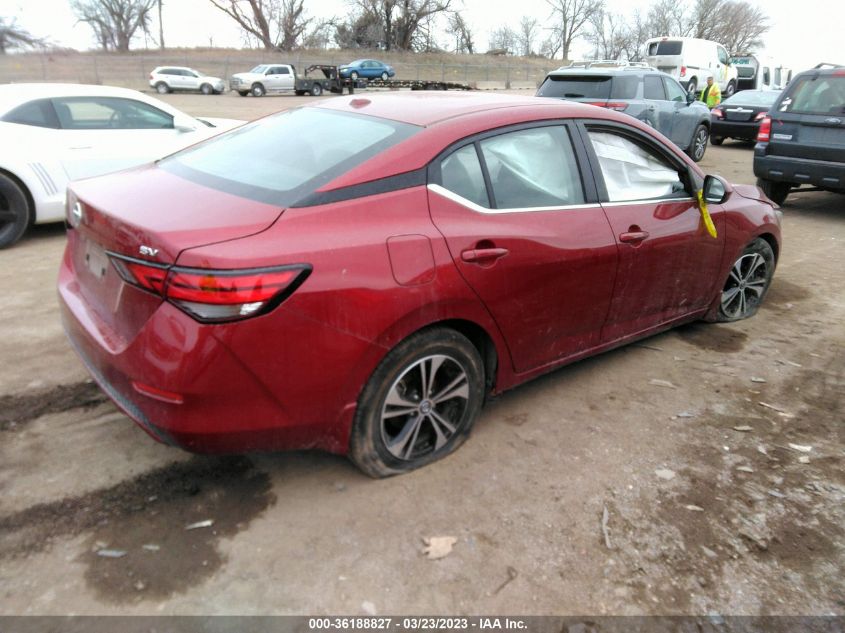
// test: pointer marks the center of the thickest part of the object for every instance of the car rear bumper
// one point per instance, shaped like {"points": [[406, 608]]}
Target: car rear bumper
{"points": [[734, 129], [228, 405], [798, 171]]}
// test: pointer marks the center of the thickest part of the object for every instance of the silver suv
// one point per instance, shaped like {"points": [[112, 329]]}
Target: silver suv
{"points": [[639, 90], [170, 78]]}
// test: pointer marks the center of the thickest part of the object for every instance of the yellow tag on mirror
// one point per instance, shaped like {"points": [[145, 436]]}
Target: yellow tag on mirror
{"points": [[705, 214]]}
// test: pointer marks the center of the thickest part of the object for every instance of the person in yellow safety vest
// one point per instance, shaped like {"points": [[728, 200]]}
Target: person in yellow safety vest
{"points": [[711, 95]]}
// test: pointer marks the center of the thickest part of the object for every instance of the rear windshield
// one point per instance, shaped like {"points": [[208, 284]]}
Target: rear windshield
{"points": [[598, 87], [753, 97], [819, 94], [282, 158], [665, 48]]}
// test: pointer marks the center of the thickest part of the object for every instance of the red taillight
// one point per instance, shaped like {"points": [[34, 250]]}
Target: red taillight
{"points": [[716, 112], [760, 116], [215, 295], [146, 276], [683, 71], [612, 105], [765, 130]]}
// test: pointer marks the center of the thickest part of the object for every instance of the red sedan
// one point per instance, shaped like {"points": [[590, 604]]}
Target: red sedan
{"points": [[360, 274]]}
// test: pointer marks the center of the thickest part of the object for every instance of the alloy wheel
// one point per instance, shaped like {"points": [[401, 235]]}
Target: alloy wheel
{"points": [[424, 407], [745, 287], [700, 144]]}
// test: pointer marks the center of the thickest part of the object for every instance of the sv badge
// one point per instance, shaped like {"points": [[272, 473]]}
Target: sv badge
{"points": [[149, 251]]}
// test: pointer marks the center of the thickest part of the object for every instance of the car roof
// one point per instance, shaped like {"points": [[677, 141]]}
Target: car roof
{"points": [[13, 95], [429, 108], [603, 70]]}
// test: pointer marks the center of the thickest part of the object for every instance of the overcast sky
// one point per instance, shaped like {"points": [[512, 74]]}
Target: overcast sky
{"points": [[798, 38]]}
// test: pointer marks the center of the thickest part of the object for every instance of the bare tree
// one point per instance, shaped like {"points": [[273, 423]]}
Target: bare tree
{"points": [[610, 35], [503, 39], [571, 18], [402, 22], [670, 17], [527, 33], [114, 22], [160, 27], [460, 30], [735, 24], [14, 37], [276, 24]]}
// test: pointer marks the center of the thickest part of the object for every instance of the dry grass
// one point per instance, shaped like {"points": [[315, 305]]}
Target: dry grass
{"points": [[132, 69]]}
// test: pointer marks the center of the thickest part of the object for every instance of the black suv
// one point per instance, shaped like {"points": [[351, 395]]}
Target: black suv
{"points": [[637, 89], [802, 141]]}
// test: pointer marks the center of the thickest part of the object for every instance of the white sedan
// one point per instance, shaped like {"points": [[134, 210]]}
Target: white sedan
{"points": [[52, 134]]}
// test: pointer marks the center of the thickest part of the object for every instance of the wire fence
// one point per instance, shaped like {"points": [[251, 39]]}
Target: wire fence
{"points": [[132, 70]]}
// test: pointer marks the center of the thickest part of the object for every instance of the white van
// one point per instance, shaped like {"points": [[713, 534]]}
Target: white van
{"points": [[691, 61], [755, 72]]}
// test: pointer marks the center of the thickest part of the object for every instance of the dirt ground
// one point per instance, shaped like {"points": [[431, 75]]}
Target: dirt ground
{"points": [[592, 490]]}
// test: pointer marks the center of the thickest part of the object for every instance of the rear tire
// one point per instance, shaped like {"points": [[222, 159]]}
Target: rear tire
{"points": [[419, 405], [258, 90], [243, 93], [698, 143], [717, 140], [15, 211], [730, 90], [775, 191], [316, 90], [206, 89], [162, 88], [748, 282], [691, 86]]}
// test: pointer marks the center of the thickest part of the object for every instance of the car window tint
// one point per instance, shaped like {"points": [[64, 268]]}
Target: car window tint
{"points": [[674, 90], [533, 168], [108, 113], [822, 94], [668, 48], [653, 88], [575, 87], [632, 171], [461, 173], [272, 161], [625, 87], [38, 113]]}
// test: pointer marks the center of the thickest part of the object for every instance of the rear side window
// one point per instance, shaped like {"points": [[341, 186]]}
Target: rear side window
{"points": [[532, 168], [653, 88], [273, 161], [820, 94], [38, 113], [461, 173]]}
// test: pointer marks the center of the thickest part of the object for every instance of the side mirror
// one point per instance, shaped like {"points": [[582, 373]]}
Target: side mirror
{"points": [[690, 98], [183, 124], [716, 189]]}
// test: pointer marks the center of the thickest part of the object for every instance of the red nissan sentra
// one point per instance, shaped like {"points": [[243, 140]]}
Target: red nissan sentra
{"points": [[359, 274]]}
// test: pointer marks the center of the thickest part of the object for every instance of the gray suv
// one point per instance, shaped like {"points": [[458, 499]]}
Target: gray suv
{"points": [[639, 90]]}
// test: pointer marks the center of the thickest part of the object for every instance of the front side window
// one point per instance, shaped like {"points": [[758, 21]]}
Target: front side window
{"points": [[532, 168], [106, 113], [723, 55], [272, 161], [37, 113], [674, 90], [632, 171]]}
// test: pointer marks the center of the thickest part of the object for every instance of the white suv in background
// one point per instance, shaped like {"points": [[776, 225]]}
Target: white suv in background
{"points": [[169, 78]]}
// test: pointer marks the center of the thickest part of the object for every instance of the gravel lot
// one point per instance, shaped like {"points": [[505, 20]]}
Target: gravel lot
{"points": [[737, 521]]}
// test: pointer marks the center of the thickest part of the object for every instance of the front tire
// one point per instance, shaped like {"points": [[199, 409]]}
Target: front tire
{"points": [[162, 88], [258, 90], [775, 191], [384, 76], [353, 75], [15, 211], [748, 282], [419, 405], [698, 144], [243, 93]]}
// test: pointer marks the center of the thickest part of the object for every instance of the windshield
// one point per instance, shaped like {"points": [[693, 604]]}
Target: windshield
{"points": [[282, 158], [816, 94], [596, 87], [259, 69], [753, 97]]}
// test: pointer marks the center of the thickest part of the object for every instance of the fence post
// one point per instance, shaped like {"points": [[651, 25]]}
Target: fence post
{"points": [[442, 71], [508, 76], [96, 70]]}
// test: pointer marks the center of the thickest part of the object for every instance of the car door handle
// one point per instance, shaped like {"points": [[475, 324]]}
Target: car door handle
{"points": [[633, 237], [483, 255]]}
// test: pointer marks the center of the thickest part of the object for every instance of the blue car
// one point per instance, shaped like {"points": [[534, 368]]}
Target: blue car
{"points": [[366, 69]]}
